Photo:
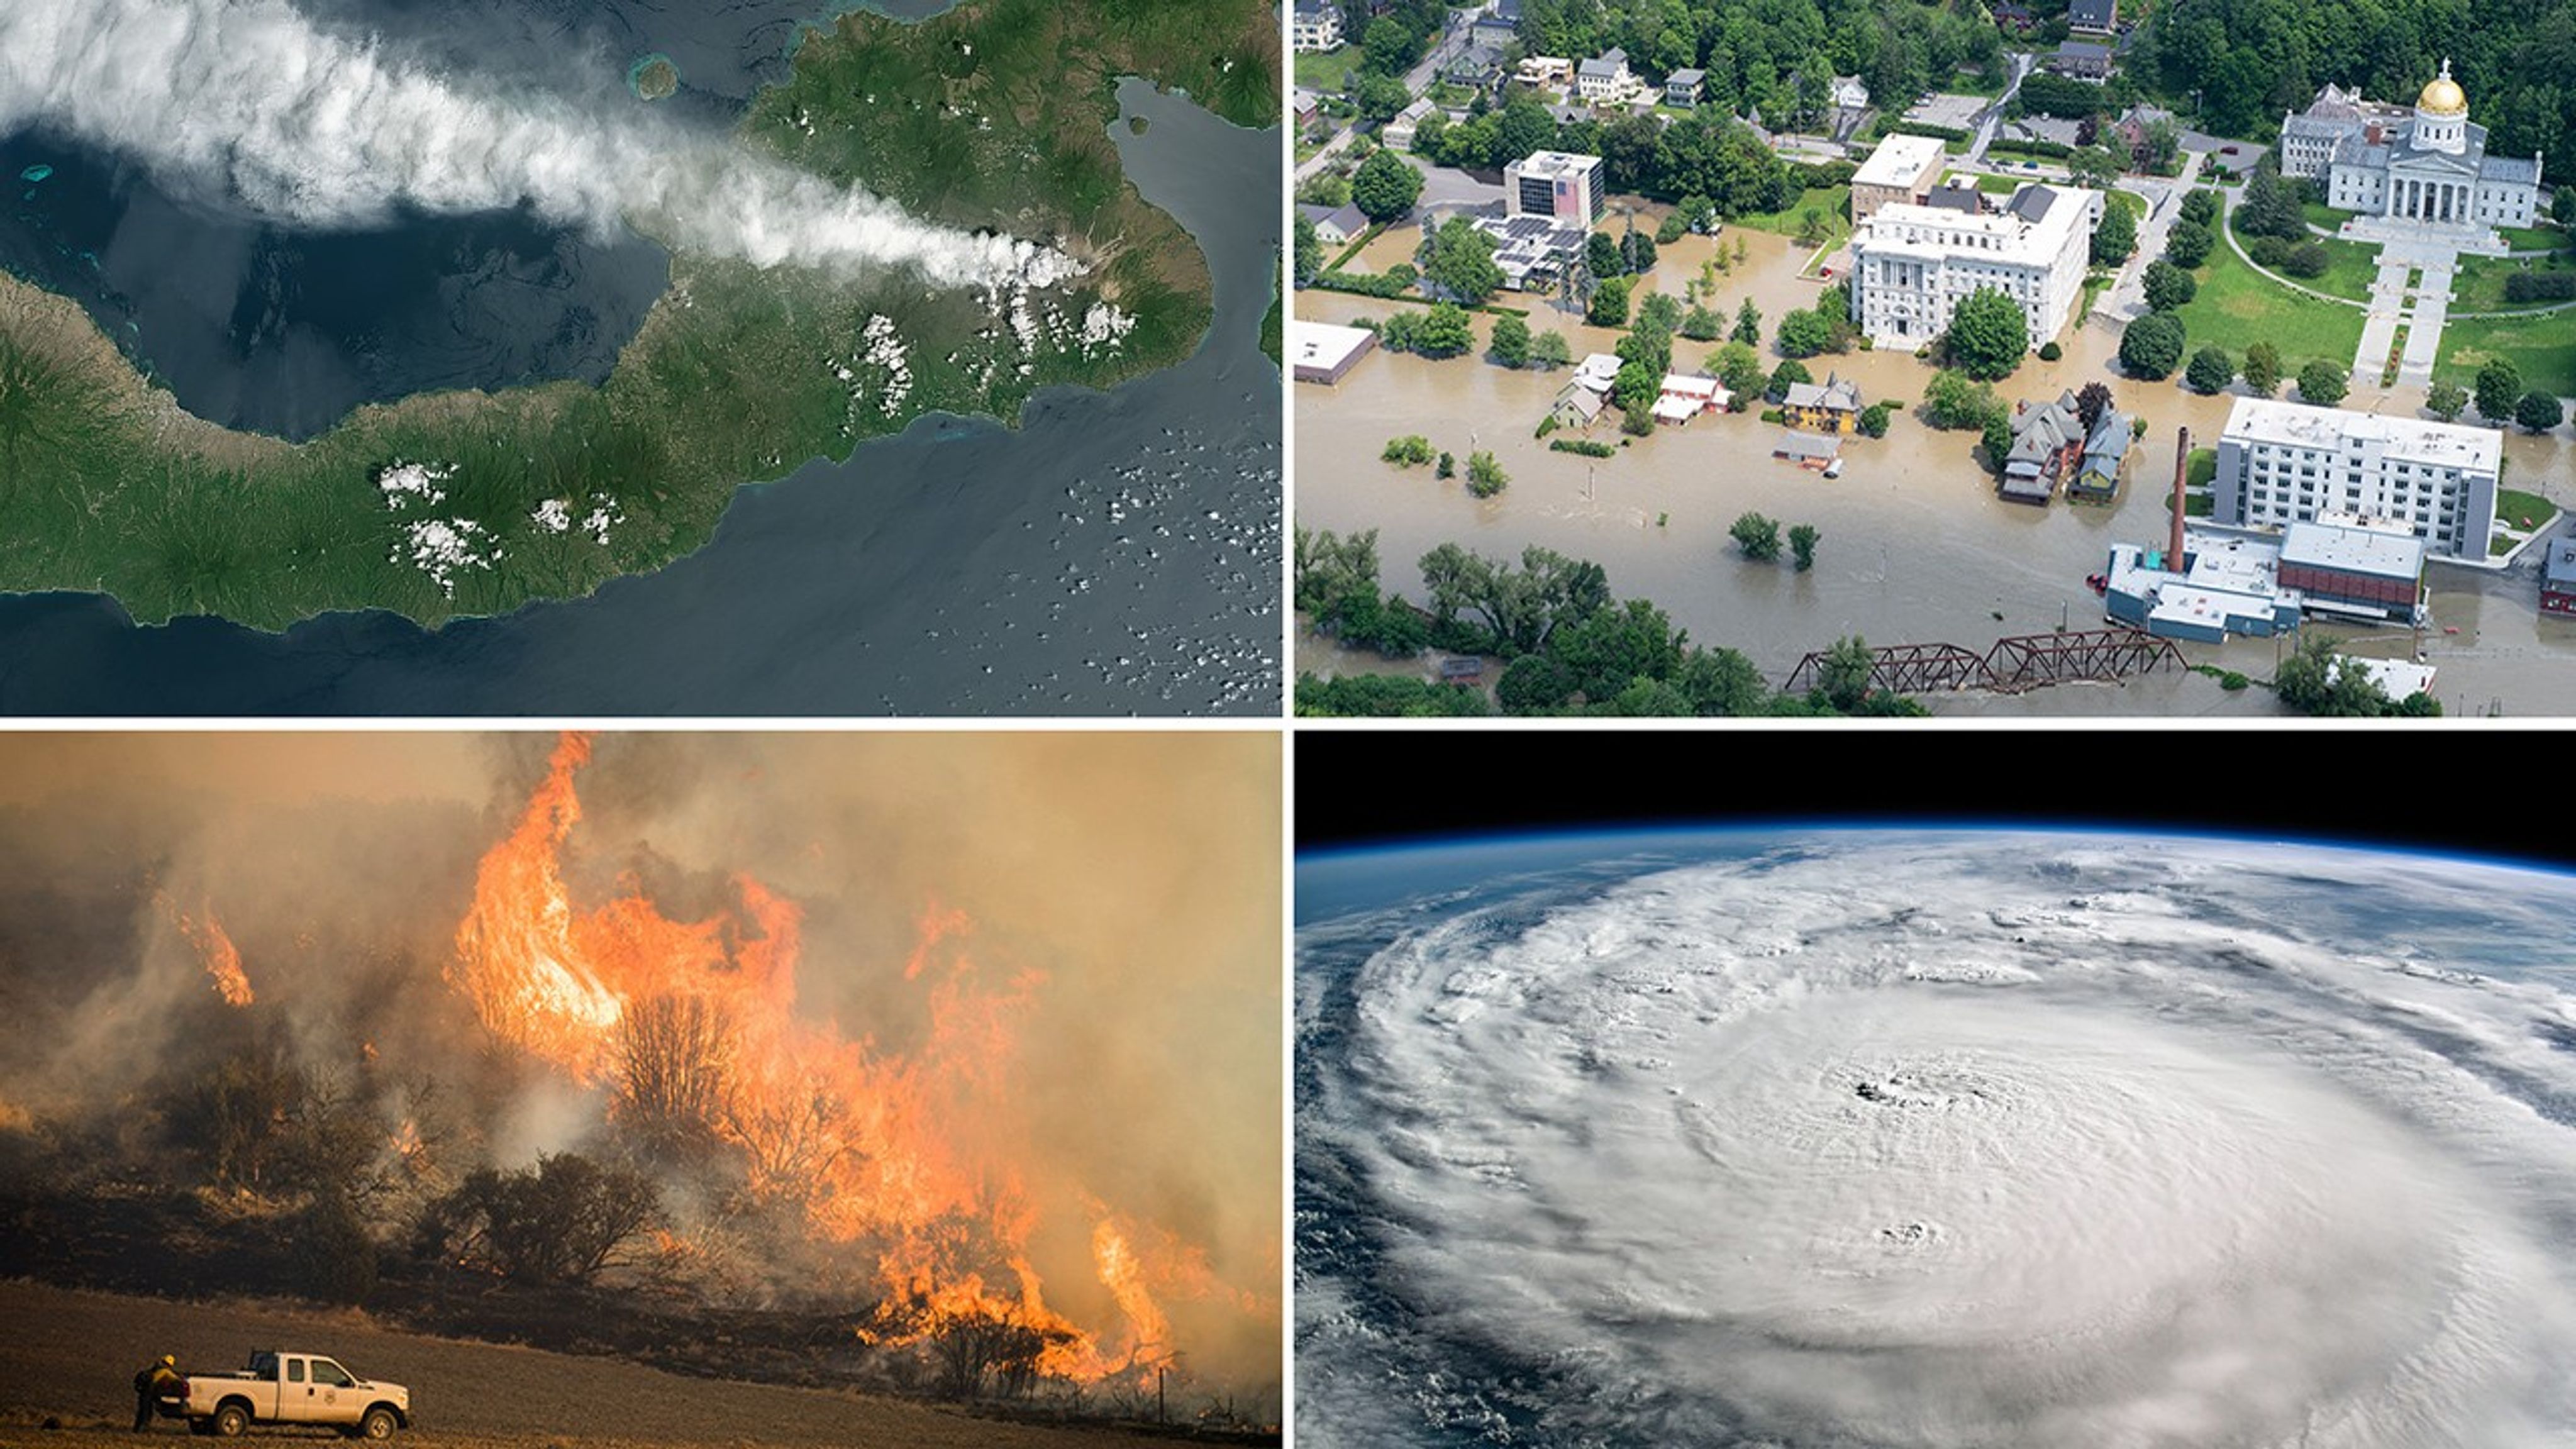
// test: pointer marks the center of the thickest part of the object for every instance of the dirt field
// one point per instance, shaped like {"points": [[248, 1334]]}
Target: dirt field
{"points": [[71, 1355]]}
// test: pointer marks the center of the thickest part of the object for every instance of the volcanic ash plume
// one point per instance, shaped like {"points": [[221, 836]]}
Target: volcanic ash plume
{"points": [[246, 102], [1993, 1142]]}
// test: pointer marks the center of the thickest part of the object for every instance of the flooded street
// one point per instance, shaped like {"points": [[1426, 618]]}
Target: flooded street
{"points": [[1915, 548]]}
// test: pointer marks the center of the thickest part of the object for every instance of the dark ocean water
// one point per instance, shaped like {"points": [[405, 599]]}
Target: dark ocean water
{"points": [[1115, 554]]}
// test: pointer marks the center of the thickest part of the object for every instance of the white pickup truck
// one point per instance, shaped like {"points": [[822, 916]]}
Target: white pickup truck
{"points": [[295, 1388]]}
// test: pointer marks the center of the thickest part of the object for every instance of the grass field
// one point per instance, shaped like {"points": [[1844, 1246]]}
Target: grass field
{"points": [[2543, 348], [2514, 507], [2479, 286], [1328, 71], [2320, 214], [67, 1355], [2238, 306], [2532, 238], [1833, 201], [2350, 266]]}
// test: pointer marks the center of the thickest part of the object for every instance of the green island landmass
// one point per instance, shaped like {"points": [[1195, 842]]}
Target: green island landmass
{"points": [[995, 114], [654, 78]]}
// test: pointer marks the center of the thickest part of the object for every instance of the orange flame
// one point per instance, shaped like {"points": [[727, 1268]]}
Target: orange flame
{"points": [[887, 1151], [223, 962]]}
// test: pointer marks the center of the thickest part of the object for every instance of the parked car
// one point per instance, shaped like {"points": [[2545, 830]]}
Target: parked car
{"points": [[295, 1388]]}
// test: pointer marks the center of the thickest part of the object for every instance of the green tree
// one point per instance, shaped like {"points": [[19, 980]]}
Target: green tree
{"points": [[2323, 383], [2211, 370], [1785, 376], [1702, 325], [1388, 48], [2262, 368], [1485, 477], [1549, 350], [1988, 335], [1601, 255], [1445, 332], [2168, 287], [1310, 251], [2187, 246], [1534, 684], [1523, 126], [2116, 239], [1739, 367], [1410, 451], [1448, 467], [2200, 207], [1955, 400], [1637, 252], [1873, 419], [1802, 334], [1609, 305], [2091, 401], [1659, 312], [2499, 388], [1757, 535], [1843, 674], [2538, 412], [1995, 436], [1748, 324], [1510, 343], [2446, 400], [1458, 261], [1385, 187], [2151, 346], [1721, 682], [2095, 166], [1802, 545], [1379, 98], [1384, 696], [1618, 645]]}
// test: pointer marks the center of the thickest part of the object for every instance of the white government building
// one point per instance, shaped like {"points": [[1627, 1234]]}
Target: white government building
{"points": [[1911, 263], [2282, 462], [2429, 166]]}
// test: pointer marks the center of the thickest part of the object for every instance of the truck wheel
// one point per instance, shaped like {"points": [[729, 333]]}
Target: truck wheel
{"points": [[231, 1421], [379, 1424]]}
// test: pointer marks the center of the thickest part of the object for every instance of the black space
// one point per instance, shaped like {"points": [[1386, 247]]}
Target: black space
{"points": [[1357, 788]]}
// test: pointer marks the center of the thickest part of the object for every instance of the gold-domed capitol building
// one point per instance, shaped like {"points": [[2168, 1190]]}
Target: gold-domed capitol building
{"points": [[2427, 165]]}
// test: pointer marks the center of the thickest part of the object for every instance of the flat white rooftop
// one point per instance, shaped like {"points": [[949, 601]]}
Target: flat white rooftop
{"points": [[1321, 344], [1552, 164], [1900, 160], [2350, 548], [2447, 445]]}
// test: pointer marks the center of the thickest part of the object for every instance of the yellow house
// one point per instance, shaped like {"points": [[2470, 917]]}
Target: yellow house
{"points": [[1832, 406]]}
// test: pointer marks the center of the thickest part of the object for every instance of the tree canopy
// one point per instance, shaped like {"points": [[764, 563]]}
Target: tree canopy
{"points": [[1384, 187], [1988, 335]]}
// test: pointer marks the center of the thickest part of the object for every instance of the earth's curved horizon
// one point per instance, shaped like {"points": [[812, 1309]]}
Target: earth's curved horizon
{"points": [[1808, 1135]]}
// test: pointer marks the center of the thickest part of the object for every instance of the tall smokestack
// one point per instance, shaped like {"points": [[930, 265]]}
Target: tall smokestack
{"points": [[2182, 476]]}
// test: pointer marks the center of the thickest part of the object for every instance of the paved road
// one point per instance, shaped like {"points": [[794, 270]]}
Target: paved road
{"points": [[2127, 298], [1993, 117], [1334, 147]]}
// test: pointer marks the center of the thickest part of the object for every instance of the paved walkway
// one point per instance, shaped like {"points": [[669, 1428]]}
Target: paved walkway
{"points": [[2421, 307]]}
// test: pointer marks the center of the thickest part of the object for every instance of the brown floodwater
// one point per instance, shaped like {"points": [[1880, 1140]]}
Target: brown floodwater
{"points": [[1915, 546]]}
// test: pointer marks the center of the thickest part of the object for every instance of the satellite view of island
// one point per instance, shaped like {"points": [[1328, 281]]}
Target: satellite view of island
{"points": [[361, 355]]}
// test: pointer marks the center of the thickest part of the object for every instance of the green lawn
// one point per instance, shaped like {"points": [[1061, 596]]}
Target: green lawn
{"points": [[2014, 151], [2513, 507], [2130, 202], [2542, 347], [2480, 284], [2202, 468], [2238, 306], [1833, 201], [2532, 238], [1328, 71], [2350, 266], [2320, 214]]}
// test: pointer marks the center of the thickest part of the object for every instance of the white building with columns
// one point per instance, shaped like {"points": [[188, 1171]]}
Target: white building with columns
{"points": [[2431, 166], [1911, 264]]}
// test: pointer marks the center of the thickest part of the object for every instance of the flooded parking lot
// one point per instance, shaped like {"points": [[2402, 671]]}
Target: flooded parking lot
{"points": [[1916, 547]]}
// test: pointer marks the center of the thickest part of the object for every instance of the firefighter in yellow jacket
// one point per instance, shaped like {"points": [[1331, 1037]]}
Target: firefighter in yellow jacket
{"points": [[156, 1380]]}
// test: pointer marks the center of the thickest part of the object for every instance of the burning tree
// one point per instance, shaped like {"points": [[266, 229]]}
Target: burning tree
{"points": [[674, 1067], [566, 1220]]}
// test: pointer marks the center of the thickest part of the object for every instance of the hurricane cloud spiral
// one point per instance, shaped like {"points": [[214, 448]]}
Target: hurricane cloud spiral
{"points": [[249, 103], [1946, 1140]]}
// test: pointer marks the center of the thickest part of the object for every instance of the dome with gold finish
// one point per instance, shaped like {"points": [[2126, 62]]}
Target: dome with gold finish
{"points": [[2443, 96]]}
